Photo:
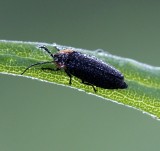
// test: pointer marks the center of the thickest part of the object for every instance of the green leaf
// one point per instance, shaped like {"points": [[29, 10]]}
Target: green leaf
{"points": [[143, 92]]}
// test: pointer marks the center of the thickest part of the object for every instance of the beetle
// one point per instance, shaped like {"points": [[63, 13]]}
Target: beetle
{"points": [[89, 69]]}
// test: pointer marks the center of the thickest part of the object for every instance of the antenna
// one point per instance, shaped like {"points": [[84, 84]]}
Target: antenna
{"points": [[40, 63], [47, 50], [35, 64]]}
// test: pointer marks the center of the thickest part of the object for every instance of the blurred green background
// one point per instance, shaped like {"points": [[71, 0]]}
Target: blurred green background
{"points": [[36, 116]]}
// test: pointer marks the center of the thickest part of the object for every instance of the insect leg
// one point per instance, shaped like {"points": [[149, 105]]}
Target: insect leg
{"points": [[70, 76], [50, 69], [35, 64], [90, 85]]}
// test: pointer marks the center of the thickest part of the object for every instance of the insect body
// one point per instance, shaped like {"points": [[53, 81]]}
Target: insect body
{"points": [[90, 70]]}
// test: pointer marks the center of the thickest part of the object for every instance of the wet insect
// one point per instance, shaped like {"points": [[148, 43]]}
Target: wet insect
{"points": [[89, 69]]}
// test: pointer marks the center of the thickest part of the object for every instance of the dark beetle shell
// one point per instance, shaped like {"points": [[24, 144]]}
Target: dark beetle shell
{"points": [[90, 69]]}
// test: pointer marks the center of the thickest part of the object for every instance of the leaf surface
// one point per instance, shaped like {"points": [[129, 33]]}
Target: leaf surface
{"points": [[143, 92]]}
